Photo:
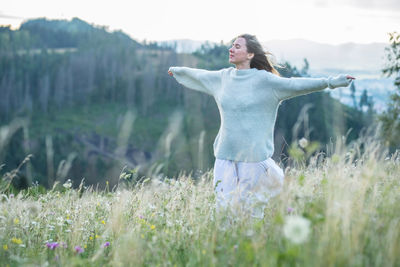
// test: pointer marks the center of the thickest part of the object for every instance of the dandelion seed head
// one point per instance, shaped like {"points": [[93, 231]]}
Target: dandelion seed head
{"points": [[33, 209], [303, 142], [296, 229]]}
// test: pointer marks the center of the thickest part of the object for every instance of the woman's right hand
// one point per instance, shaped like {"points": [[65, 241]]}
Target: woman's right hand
{"points": [[170, 73]]}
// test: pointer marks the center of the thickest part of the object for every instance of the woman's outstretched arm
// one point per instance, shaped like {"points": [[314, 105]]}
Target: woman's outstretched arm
{"points": [[197, 79], [285, 88]]}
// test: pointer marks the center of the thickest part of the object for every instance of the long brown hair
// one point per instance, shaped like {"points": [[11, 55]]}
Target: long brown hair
{"points": [[261, 59]]}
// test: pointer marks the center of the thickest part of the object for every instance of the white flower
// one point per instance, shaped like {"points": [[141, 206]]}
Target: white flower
{"points": [[296, 229], [68, 184], [303, 142]]}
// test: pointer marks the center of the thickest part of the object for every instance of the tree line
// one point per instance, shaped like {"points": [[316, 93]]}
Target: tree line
{"points": [[77, 85]]}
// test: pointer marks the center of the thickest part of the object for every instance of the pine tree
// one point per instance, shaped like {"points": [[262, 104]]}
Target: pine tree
{"points": [[353, 94], [391, 118]]}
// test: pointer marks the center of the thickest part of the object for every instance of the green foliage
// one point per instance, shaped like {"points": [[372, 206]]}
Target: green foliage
{"points": [[213, 57], [391, 117], [13, 181], [129, 178]]}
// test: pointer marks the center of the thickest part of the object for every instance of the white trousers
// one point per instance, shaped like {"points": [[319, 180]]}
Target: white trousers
{"points": [[246, 186]]}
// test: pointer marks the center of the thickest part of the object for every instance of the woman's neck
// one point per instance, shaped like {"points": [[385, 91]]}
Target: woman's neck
{"points": [[243, 66]]}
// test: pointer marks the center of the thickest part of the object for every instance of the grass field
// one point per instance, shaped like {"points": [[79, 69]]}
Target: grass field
{"points": [[338, 210]]}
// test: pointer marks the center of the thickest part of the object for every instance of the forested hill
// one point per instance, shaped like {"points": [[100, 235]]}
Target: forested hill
{"points": [[43, 33], [86, 102]]}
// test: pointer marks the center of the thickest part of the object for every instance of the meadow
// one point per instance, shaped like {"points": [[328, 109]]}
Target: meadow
{"points": [[338, 208]]}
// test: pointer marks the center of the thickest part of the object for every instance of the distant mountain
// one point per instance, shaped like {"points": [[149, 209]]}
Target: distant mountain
{"points": [[182, 45], [363, 60]]}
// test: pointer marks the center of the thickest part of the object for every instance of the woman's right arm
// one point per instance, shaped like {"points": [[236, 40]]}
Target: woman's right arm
{"points": [[197, 79]]}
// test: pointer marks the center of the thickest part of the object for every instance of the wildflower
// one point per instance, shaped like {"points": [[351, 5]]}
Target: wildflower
{"points": [[17, 241], [290, 210], [107, 244], [103, 222], [152, 227], [68, 184], [85, 246], [79, 249], [303, 142], [90, 237], [5, 247], [97, 236], [296, 229], [11, 195], [52, 245], [16, 221]]}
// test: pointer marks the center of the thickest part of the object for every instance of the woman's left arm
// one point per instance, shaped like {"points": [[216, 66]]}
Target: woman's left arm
{"points": [[285, 88]]}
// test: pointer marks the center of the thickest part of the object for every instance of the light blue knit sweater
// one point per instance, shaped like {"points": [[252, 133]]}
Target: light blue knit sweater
{"points": [[248, 102]]}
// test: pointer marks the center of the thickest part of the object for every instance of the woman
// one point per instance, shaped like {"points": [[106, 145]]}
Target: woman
{"points": [[248, 97]]}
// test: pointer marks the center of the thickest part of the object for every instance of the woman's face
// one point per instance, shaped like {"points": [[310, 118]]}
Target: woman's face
{"points": [[238, 52]]}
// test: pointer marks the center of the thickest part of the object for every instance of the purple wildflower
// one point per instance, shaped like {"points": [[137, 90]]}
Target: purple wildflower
{"points": [[11, 195], [290, 209], [107, 244], [52, 245], [141, 217], [79, 249]]}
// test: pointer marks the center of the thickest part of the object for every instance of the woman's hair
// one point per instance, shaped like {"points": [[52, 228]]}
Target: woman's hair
{"points": [[262, 59]]}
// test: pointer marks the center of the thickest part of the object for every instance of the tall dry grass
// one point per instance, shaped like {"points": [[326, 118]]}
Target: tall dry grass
{"points": [[350, 197]]}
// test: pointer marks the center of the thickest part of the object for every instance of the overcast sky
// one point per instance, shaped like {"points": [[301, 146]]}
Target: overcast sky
{"points": [[326, 21]]}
